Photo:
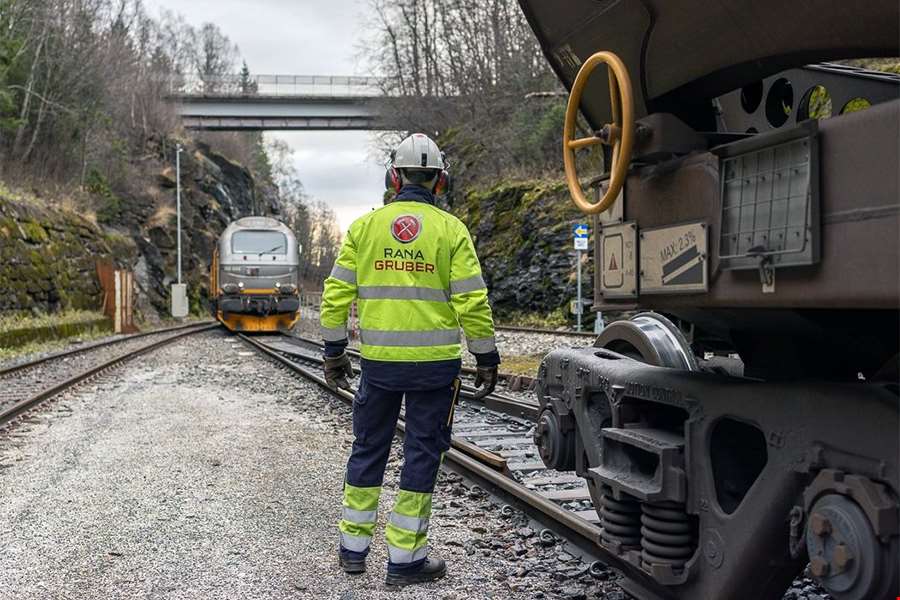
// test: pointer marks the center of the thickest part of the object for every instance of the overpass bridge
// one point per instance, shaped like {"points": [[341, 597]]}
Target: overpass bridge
{"points": [[283, 103]]}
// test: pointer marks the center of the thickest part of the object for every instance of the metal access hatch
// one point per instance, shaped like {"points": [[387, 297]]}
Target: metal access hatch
{"points": [[770, 201]]}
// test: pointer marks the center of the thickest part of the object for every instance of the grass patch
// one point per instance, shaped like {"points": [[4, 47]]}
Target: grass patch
{"points": [[525, 364], [557, 319], [24, 333], [42, 346], [18, 320]]}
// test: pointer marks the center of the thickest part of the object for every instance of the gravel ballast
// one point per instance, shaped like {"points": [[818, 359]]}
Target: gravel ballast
{"points": [[203, 471]]}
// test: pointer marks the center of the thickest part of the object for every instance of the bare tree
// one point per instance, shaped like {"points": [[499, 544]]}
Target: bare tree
{"points": [[462, 70], [215, 58]]}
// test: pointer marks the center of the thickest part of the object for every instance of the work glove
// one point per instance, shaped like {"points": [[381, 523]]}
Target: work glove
{"points": [[486, 375], [338, 371]]}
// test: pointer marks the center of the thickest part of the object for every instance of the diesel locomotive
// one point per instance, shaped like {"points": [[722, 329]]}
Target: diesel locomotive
{"points": [[254, 278], [743, 425]]}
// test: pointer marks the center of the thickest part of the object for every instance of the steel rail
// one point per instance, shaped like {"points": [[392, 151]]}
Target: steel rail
{"points": [[101, 344], [570, 526], [589, 334], [15, 410]]}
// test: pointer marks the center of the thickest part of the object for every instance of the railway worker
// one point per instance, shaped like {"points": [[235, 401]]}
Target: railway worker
{"points": [[413, 271]]}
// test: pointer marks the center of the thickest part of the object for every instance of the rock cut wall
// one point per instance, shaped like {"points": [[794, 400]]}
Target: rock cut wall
{"points": [[48, 253], [523, 235]]}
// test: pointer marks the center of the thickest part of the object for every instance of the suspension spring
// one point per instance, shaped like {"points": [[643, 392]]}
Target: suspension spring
{"points": [[620, 520], [666, 535]]}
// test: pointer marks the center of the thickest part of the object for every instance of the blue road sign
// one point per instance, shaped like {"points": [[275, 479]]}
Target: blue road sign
{"points": [[580, 230]]}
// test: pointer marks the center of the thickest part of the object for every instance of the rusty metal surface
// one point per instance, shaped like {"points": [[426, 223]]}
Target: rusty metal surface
{"points": [[859, 267]]}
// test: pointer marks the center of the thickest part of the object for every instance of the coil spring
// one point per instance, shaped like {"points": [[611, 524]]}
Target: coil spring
{"points": [[666, 535], [620, 520]]}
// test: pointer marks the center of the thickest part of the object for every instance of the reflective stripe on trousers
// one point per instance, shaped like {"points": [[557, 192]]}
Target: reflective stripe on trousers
{"points": [[407, 529], [359, 517]]}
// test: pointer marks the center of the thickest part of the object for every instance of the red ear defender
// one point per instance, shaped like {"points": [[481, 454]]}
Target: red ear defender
{"points": [[392, 179], [442, 185]]}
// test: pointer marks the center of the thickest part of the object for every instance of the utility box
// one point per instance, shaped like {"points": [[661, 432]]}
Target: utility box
{"points": [[179, 300]]}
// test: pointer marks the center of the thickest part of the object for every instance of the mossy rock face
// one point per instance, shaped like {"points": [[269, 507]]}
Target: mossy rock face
{"points": [[34, 233], [48, 255], [48, 258], [523, 235]]}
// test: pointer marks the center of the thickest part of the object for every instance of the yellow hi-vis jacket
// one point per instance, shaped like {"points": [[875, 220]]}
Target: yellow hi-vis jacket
{"points": [[413, 271]]}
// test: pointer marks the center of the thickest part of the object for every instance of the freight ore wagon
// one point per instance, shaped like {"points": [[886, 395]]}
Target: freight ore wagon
{"points": [[745, 424]]}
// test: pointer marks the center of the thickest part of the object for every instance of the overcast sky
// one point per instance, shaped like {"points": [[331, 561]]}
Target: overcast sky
{"points": [[304, 37]]}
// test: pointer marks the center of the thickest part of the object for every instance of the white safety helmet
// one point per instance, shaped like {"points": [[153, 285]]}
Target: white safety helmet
{"points": [[417, 159], [417, 151]]}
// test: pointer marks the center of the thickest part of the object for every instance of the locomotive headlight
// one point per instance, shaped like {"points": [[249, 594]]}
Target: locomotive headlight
{"points": [[241, 284], [287, 289], [230, 288]]}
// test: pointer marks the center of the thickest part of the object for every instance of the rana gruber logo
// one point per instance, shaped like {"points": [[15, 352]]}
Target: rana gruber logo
{"points": [[406, 228]]}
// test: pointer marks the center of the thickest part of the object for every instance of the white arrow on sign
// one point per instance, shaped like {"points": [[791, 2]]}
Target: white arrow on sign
{"points": [[581, 230]]}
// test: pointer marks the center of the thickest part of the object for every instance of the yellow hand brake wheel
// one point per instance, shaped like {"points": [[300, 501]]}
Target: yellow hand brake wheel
{"points": [[619, 134]]}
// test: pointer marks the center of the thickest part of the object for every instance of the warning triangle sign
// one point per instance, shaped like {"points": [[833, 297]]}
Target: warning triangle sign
{"points": [[612, 263]]}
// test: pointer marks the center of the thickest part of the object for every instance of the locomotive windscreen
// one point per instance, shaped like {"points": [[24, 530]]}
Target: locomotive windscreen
{"points": [[258, 242]]}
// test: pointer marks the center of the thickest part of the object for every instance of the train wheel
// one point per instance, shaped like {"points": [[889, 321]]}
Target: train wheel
{"points": [[650, 338]]}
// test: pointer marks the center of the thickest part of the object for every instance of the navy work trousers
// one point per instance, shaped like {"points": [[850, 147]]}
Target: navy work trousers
{"points": [[428, 424]]}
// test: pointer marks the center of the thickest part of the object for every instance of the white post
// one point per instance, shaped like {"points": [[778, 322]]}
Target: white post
{"points": [[580, 306], [117, 322], [178, 203], [178, 302]]}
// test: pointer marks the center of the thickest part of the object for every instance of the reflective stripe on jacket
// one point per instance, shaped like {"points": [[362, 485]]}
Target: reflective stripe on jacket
{"points": [[413, 271]]}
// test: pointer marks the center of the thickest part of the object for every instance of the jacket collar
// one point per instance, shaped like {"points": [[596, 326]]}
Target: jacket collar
{"points": [[415, 193]]}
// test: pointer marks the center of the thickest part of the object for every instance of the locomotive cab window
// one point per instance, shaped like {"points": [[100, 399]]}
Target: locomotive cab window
{"points": [[259, 242]]}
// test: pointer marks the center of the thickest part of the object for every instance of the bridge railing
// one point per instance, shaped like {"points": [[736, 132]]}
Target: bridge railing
{"points": [[277, 85]]}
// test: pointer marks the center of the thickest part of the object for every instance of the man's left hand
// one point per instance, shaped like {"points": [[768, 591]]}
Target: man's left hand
{"points": [[488, 377]]}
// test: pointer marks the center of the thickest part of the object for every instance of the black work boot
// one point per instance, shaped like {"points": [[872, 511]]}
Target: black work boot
{"points": [[433, 568], [353, 566]]}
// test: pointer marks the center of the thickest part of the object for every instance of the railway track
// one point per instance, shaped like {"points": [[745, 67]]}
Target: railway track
{"points": [[492, 445], [26, 384], [586, 334]]}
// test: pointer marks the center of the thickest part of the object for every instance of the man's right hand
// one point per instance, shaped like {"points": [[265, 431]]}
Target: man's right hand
{"points": [[338, 371]]}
